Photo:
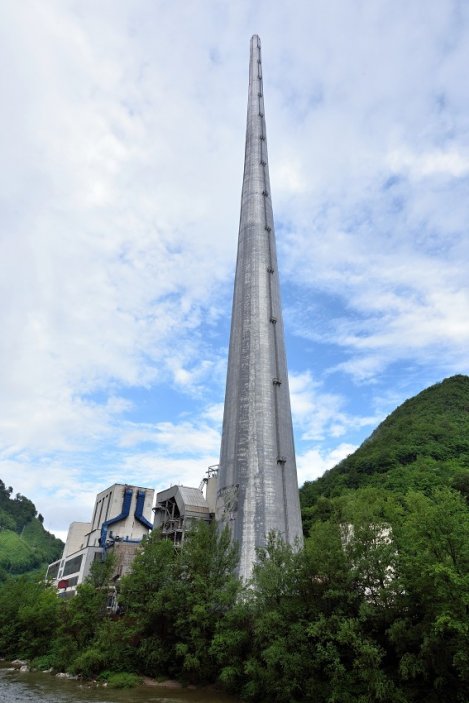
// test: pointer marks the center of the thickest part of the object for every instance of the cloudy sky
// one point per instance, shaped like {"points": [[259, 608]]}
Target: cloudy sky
{"points": [[122, 149]]}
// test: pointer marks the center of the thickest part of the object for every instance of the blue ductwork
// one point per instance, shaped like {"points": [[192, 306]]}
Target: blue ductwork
{"points": [[139, 510], [125, 512]]}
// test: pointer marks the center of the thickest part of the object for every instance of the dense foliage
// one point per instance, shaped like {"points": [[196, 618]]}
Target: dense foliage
{"points": [[373, 609], [24, 543], [422, 445]]}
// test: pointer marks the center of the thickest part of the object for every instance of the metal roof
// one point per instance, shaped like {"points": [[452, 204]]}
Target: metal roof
{"points": [[189, 500], [193, 498]]}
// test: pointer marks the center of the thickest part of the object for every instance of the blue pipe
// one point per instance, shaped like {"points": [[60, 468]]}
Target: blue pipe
{"points": [[125, 512], [139, 510]]}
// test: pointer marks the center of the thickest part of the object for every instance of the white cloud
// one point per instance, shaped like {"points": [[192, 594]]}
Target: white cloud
{"points": [[314, 462], [319, 414], [181, 438], [143, 454], [404, 293], [122, 135], [445, 163], [288, 174], [214, 414], [61, 491], [162, 471], [110, 259]]}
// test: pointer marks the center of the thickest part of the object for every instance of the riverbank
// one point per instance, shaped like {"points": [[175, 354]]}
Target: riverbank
{"points": [[23, 666], [112, 679], [46, 687]]}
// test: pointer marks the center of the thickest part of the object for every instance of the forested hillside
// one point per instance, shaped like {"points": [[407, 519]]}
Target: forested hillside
{"points": [[422, 445], [24, 543]]}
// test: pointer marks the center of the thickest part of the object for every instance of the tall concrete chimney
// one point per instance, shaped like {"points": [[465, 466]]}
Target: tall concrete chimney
{"points": [[257, 480]]}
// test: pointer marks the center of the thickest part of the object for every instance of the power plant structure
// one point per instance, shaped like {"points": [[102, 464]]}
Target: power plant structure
{"points": [[254, 490], [178, 508], [257, 479], [122, 517]]}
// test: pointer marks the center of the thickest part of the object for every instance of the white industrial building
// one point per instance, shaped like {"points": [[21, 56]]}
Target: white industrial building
{"points": [[122, 517]]}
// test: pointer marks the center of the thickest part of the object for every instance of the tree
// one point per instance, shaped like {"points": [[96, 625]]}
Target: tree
{"points": [[28, 617], [205, 590], [81, 618], [431, 635], [174, 600]]}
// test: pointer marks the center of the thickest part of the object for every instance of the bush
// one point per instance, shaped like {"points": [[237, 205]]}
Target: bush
{"points": [[121, 679], [44, 662], [88, 663]]}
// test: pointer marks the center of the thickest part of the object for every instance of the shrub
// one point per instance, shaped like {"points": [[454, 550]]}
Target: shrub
{"points": [[44, 662], [88, 663], [122, 679]]}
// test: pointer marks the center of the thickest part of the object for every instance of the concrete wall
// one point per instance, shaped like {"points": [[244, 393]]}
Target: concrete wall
{"points": [[76, 538], [83, 539], [108, 505]]}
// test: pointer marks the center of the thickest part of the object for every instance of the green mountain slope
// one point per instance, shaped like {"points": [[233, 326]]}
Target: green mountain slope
{"points": [[423, 444], [24, 543]]}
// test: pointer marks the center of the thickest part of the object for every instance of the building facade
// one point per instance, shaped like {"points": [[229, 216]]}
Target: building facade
{"points": [[122, 517], [179, 507]]}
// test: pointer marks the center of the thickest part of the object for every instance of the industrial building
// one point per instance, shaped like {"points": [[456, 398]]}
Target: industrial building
{"points": [[122, 517], [179, 506]]}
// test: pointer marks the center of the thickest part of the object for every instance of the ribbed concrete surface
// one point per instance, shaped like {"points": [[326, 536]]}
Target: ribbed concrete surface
{"points": [[257, 480]]}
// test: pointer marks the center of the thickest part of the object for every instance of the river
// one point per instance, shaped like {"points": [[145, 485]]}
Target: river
{"points": [[19, 687]]}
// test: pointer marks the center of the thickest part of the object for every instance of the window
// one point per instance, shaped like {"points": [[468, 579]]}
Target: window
{"points": [[53, 570], [72, 565]]}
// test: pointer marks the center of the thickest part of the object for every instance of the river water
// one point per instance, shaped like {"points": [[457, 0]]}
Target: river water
{"points": [[19, 687]]}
